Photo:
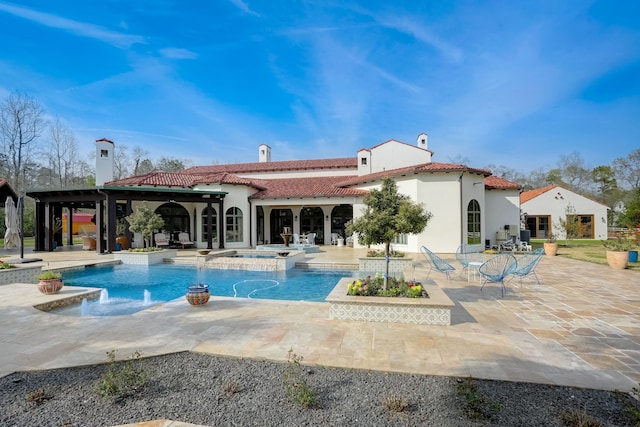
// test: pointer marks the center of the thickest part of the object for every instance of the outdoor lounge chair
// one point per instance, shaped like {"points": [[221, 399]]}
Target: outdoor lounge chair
{"points": [[296, 239], [184, 240], [334, 238], [470, 260], [527, 265], [497, 269], [161, 240], [437, 263]]}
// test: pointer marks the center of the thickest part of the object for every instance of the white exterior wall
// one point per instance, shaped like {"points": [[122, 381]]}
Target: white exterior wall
{"points": [[440, 195], [502, 208], [394, 155], [548, 204]]}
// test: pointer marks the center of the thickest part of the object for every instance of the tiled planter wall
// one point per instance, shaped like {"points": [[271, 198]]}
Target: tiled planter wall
{"points": [[20, 275], [144, 258], [435, 310]]}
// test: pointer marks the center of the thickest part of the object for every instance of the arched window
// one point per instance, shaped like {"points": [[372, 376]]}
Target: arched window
{"points": [[234, 225], [176, 219], [473, 222], [214, 225]]}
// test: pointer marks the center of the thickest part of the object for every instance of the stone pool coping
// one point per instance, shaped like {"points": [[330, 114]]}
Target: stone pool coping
{"points": [[435, 310]]}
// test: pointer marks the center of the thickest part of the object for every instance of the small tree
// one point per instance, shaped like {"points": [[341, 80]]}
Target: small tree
{"points": [[386, 215], [145, 222], [571, 225]]}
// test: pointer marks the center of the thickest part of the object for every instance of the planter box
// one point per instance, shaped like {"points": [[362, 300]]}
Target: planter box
{"points": [[20, 275], [144, 258], [378, 264], [435, 310]]}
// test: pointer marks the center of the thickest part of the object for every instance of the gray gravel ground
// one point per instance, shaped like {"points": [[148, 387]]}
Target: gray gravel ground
{"points": [[221, 391]]}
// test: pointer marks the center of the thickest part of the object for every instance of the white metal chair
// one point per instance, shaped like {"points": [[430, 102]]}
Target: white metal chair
{"points": [[311, 238], [296, 239], [334, 238]]}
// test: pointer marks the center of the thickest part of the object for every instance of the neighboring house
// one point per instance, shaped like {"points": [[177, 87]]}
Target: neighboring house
{"points": [[544, 208], [247, 204]]}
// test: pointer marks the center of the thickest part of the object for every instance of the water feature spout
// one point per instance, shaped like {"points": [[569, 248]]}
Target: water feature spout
{"points": [[104, 297], [84, 307]]}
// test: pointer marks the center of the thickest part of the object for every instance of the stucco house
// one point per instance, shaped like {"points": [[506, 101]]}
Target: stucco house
{"points": [[543, 209], [248, 204]]}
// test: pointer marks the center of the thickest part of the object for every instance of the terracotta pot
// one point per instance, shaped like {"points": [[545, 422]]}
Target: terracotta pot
{"points": [[198, 294], [618, 260], [550, 249], [50, 286]]}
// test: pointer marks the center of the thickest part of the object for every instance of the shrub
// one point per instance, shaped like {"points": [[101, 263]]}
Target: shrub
{"points": [[124, 380], [296, 386], [396, 404], [38, 397]]}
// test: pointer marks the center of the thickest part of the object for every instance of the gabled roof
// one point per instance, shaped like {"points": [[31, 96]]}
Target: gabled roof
{"points": [[323, 186], [181, 179], [415, 169], [394, 140], [496, 183], [531, 194], [286, 165]]}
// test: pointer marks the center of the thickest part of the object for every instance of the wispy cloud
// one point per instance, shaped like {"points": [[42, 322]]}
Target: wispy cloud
{"points": [[79, 28], [178, 53], [243, 7]]}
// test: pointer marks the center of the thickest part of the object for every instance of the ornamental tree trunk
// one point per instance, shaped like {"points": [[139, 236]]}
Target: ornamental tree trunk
{"points": [[387, 245]]}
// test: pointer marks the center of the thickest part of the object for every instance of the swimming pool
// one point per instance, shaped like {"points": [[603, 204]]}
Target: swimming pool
{"points": [[126, 284]]}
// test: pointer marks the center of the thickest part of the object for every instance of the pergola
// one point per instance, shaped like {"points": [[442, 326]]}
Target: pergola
{"points": [[107, 202]]}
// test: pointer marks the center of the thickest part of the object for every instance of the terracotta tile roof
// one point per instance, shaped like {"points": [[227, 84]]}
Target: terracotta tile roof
{"points": [[286, 165], [180, 179], [528, 195], [325, 186], [416, 169], [496, 183]]}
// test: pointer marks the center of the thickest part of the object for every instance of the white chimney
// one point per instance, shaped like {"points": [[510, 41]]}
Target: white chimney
{"points": [[422, 141], [104, 161], [264, 154]]}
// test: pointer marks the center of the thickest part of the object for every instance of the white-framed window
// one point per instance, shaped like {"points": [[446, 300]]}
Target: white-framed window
{"points": [[400, 239], [234, 232], [473, 223], [214, 225]]}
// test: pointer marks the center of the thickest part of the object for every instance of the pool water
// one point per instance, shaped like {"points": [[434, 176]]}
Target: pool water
{"points": [[126, 285]]}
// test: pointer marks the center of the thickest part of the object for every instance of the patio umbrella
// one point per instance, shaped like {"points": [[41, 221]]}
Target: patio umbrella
{"points": [[12, 235]]}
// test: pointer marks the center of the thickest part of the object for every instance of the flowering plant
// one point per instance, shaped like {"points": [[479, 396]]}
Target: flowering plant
{"points": [[5, 265], [374, 286]]}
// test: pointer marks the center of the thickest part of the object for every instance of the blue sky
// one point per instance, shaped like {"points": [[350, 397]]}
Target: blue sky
{"points": [[497, 82]]}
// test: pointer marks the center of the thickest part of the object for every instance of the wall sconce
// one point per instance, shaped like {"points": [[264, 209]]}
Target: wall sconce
{"points": [[327, 218], [295, 218]]}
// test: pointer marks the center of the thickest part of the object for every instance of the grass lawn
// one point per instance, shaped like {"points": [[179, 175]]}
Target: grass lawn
{"points": [[583, 250], [29, 242]]}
